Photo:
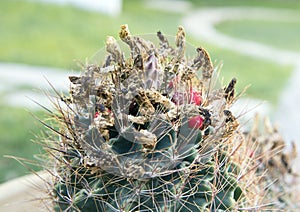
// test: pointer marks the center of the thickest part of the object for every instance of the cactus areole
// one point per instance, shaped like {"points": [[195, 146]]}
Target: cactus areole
{"points": [[146, 131]]}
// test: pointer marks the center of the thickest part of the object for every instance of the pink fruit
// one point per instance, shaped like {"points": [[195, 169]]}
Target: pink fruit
{"points": [[195, 122], [189, 97], [96, 114], [195, 98]]}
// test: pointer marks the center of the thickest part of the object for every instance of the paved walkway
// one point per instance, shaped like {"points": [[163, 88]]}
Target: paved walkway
{"points": [[111, 7], [20, 83], [201, 24]]}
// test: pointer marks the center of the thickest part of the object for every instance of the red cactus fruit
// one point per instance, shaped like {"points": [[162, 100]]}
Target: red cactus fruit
{"points": [[196, 122]]}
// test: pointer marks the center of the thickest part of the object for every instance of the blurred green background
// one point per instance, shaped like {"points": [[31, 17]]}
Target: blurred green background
{"points": [[51, 35]]}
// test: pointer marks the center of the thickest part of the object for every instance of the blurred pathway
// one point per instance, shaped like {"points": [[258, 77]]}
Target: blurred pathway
{"points": [[201, 23], [21, 83]]}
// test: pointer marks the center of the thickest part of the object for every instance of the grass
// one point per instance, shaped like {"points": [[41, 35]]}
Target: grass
{"points": [[288, 4], [52, 35], [17, 130], [278, 34], [266, 79]]}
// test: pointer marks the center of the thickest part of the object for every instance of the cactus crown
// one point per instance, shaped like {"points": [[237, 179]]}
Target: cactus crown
{"points": [[148, 132]]}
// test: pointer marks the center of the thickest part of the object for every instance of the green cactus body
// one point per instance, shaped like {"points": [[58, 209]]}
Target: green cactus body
{"points": [[147, 133]]}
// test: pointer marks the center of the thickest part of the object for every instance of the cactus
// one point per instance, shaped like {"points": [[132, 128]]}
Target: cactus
{"points": [[280, 179], [149, 131]]}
